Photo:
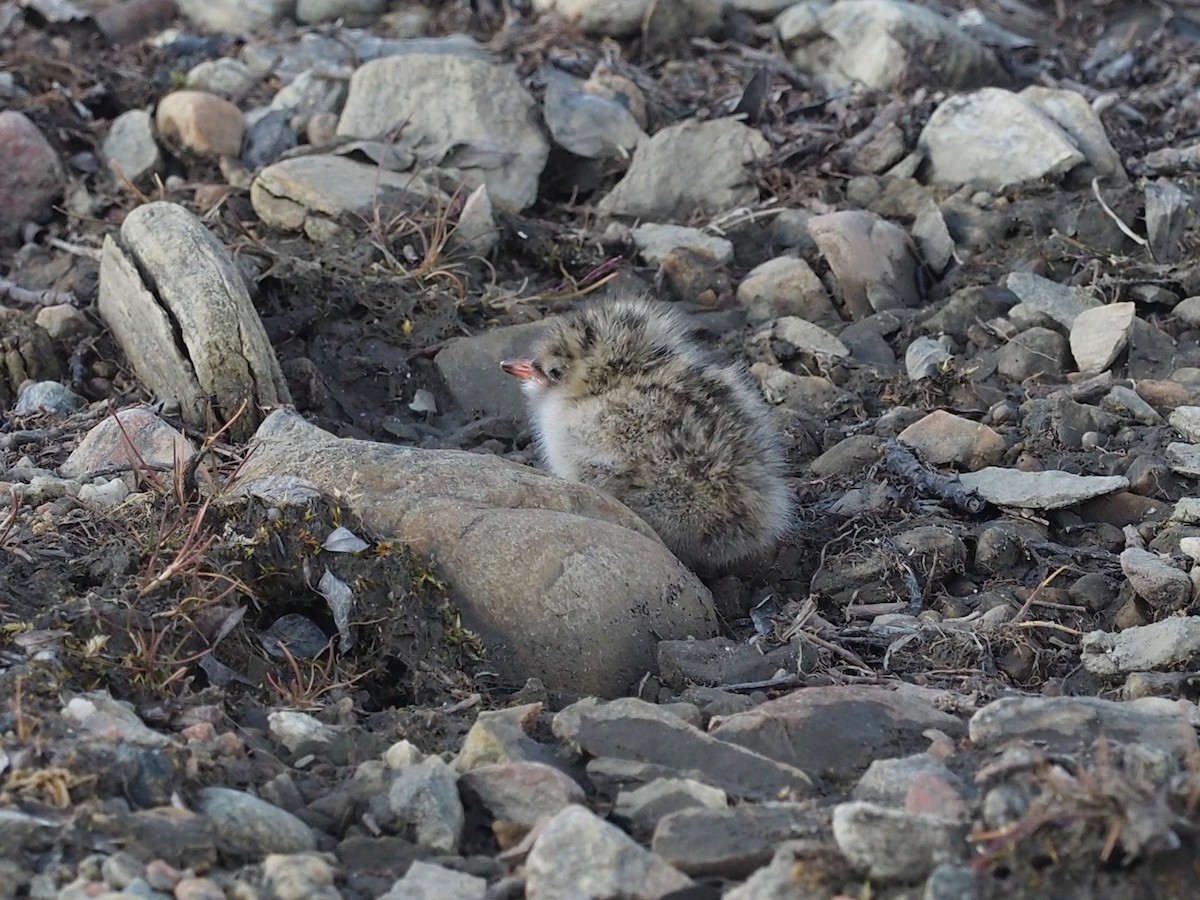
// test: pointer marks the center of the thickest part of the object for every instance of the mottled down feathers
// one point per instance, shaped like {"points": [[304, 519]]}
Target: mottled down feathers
{"points": [[622, 398]]}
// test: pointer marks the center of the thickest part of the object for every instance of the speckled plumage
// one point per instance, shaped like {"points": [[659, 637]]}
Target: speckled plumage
{"points": [[623, 399]]}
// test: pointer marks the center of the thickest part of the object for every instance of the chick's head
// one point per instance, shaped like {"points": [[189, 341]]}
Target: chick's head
{"points": [[588, 351]]}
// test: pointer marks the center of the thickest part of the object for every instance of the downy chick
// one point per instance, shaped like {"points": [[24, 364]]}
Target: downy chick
{"points": [[622, 398]]}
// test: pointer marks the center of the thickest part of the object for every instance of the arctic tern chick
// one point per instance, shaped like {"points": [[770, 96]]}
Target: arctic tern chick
{"points": [[622, 398]]}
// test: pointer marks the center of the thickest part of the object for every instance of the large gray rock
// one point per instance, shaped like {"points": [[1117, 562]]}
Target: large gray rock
{"points": [[453, 112], [471, 369], [688, 167], [1051, 489], [296, 192], [878, 44], [871, 258], [993, 138], [560, 581], [1171, 643], [178, 307]]}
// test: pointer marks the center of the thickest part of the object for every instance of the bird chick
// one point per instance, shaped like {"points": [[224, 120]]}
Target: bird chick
{"points": [[622, 398]]}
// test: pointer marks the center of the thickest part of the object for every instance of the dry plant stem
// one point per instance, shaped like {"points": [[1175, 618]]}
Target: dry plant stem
{"points": [[1024, 610], [35, 299], [1125, 229], [189, 555], [91, 253]]}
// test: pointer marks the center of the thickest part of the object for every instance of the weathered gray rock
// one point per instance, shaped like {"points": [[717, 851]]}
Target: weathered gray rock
{"points": [[47, 396], [225, 77], [635, 730], [139, 438], [894, 844], [1071, 111], [31, 175], [1069, 724], [235, 16], [1099, 335], [249, 828], [924, 358], [456, 112], [837, 731], [520, 792], [426, 881], [1057, 301], [1039, 490], [178, 307], [878, 44], [560, 581], [1184, 458], [655, 242], [578, 854], [624, 18], [807, 393], [992, 139], [871, 259], [1186, 420], [1155, 580], [784, 286], [644, 806], [130, 148], [310, 93], [1171, 643], [688, 167], [889, 781], [804, 338], [732, 842], [586, 122], [424, 796], [294, 192]]}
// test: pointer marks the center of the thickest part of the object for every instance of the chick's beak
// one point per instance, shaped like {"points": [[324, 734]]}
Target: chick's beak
{"points": [[525, 369]]}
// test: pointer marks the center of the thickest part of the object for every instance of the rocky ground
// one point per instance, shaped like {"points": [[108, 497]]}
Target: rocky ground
{"points": [[286, 610]]}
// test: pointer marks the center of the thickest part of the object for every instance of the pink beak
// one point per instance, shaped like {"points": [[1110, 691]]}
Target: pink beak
{"points": [[525, 369]]}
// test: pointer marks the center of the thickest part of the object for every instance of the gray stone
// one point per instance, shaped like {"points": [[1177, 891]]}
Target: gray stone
{"points": [[114, 721], [655, 242], [642, 807], [784, 286], [719, 661], [520, 792], [310, 93], [577, 855], [560, 581], [1074, 724], [476, 232], [871, 259], [787, 877], [890, 844], [470, 367], [879, 44], [1186, 420], [640, 731], [138, 438], [500, 736], [456, 112], [1051, 489], [811, 394], [130, 148], [1057, 301], [805, 338], [732, 842], [1184, 458], [248, 828], [235, 16], [1171, 643], [587, 123], [687, 167], [426, 881], [424, 797], [225, 77], [1099, 335], [943, 438], [1036, 351], [994, 139], [351, 12], [178, 307], [625, 18], [933, 236], [1072, 112], [952, 881], [1126, 402], [837, 731], [888, 781], [47, 396], [31, 175], [291, 193], [1155, 580]]}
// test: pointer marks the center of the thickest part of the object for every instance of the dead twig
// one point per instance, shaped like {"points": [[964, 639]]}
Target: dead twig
{"points": [[35, 299]]}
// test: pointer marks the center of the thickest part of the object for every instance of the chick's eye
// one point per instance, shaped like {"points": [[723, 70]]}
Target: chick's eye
{"points": [[554, 373]]}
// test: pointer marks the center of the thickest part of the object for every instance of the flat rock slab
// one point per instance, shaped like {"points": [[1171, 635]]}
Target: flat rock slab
{"points": [[732, 842], [560, 581], [1169, 644], [643, 732], [290, 193], [456, 112], [838, 731], [993, 138], [1069, 724], [1060, 302], [1039, 490], [177, 305], [871, 258]]}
